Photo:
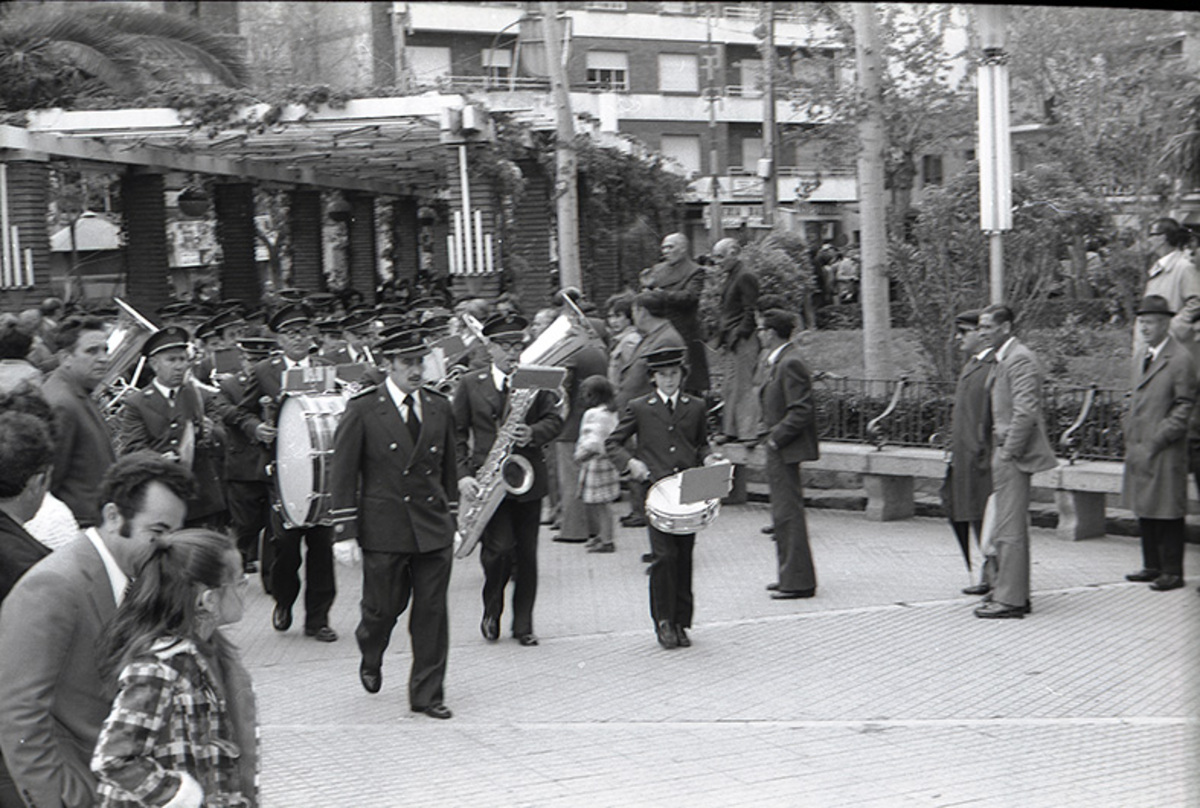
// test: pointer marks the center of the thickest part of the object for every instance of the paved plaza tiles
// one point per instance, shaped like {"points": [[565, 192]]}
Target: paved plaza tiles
{"points": [[883, 690]]}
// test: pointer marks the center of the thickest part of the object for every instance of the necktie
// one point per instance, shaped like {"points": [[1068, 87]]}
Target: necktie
{"points": [[671, 406], [414, 425], [171, 396], [1147, 361]]}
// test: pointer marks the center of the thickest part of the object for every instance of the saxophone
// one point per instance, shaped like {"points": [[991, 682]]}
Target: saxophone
{"points": [[503, 472]]}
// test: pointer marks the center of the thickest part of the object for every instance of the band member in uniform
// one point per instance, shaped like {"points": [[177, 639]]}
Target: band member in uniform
{"points": [[218, 338], [292, 326], [393, 477], [247, 488], [672, 435], [509, 542]]}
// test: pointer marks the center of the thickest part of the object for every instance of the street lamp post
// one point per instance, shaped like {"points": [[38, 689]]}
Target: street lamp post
{"points": [[995, 148]]}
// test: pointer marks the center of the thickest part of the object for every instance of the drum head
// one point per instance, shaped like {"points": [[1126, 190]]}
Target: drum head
{"points": [[293, 465]]}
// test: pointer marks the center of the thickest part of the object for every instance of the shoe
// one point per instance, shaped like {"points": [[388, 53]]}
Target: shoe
{"points": [[565, 540], [1026, 609], [998, 611], [768, 530], [772, 587], [594, 541], [490, 628], [682, 638], [371, 678], [1142, 576], [435, 711], [527, 639], [1165, 583], [666, 635], [792, 594], [556, 525], [322, 634], [635, 521], [281, 617], [606, 547], [625, 520], [977, 589], [647, 558]]}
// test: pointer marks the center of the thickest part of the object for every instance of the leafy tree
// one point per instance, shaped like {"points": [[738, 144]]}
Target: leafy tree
{"points": [[59, 54]]}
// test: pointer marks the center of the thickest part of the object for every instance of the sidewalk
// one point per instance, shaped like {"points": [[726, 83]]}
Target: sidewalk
{"points": [[883, 690]]}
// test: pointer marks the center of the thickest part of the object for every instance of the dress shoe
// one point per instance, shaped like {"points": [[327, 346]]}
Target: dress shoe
{"points": [[527, 639], [434, 711], [1026, 609], [1165, 583], [792, 594], [977, 589], [647, 558], [281, 617], [490, 628], [635, 521], [999, 611], [566, 540], [772, 587], [603, 547], [371, 678], [682, 638], [1142, 576], [321, 634], [666, 635], [768, 530]]}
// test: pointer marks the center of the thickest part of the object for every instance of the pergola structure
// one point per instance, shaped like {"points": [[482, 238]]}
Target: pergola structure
{"points": [[393, 150]]}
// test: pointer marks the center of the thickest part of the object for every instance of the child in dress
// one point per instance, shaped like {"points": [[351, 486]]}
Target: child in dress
{"points": [[182, 728], [599, 483]]}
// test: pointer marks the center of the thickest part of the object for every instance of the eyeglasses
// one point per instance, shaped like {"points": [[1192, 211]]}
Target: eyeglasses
{"points": [[238, 583]]}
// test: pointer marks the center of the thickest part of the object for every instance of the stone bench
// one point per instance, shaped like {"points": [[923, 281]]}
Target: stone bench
{"points": [[1080, 489]]}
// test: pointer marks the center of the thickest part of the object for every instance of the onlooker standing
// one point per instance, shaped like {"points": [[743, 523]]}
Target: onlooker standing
{"points": [[738, 343], [625, 336], [84, 444], [1021, 449], [182, 728], [790, 416], [52, 698], [52, 524], [1156, 459], [599, 483], [1175, 278], [969, 473], [682, 281], [15, 368]]}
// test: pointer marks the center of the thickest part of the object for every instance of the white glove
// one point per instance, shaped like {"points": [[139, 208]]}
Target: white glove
{"points": [[347, 553]]}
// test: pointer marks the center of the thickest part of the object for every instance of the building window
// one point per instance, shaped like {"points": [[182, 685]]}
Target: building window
{"points": [[497, 65], [931, 169], [601, 5], [679, 8], [428, 64], [678, 73], [608, 70], [683, 149], [752, 152], [751, 71]]}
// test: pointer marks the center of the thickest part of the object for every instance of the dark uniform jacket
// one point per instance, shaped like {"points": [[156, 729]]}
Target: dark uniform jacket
{"points": [[395, 493], [243, 455], [666, 442], [149, 421], [787, 407], [480, 411], [18, 552], [83, 447]]}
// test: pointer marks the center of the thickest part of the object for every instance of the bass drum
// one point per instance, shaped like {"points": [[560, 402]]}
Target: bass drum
{"points": [[304, 457], [668, 514]]}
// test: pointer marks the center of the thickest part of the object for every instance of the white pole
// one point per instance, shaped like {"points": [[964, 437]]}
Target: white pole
{"points": [[450, 254], [459, 266], [466, 208], [29, 266], [5, 247], [479, 240], [488, 250], [14, 273]]}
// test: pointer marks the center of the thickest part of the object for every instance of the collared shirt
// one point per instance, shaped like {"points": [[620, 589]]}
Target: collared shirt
{"points": [[116, 576], [982, 355], [671, 401], [167, 392], [499, 377], [398, 397], [774, 357], [1154, 350], [292, 364], [1002, 351]]}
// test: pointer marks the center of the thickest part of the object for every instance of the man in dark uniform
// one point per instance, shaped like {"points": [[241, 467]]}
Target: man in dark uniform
{"points": [[218, 338], [247, 487], [509, 542], [672, 435], [682, 281], [167, 416], [394, 475], [292, 326]]}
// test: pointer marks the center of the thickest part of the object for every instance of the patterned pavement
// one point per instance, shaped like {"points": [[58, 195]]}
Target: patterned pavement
{"points": [[883, 690]]}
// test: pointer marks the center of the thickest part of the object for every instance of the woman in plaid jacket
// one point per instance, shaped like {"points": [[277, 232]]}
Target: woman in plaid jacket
{"points": [[182, 731]]}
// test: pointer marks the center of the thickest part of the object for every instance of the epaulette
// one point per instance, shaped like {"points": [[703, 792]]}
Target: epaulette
{"points": [[428, 388], [365, 391]]}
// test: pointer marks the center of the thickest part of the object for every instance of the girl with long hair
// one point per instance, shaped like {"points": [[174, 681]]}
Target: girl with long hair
{"points": [[182, 728]]}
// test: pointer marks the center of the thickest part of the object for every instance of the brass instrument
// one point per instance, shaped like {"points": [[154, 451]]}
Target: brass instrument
{"points": [[503, 471], [124, 347]]}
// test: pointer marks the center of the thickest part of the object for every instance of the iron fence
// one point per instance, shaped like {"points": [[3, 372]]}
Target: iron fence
{"points": [[918, 413]]}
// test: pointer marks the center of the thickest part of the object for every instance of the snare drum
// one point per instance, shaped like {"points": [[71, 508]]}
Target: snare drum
{"points": [[304, 456], [668, 514]]}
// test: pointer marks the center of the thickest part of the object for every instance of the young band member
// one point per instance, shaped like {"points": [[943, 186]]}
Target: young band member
{"points": [[672, 435], [394, 474], [509, 543]]}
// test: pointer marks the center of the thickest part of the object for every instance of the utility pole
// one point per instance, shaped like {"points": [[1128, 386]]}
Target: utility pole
{"points": [[566, 185], [766, 166], [716, 227], [871, 199]]}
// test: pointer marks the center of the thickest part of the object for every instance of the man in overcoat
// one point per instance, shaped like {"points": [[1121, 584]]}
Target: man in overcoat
{"points": [[682, 281], [738, 342], [508, 547], [790, 418], [1156, 459], [1020, 450], [394, 476]]}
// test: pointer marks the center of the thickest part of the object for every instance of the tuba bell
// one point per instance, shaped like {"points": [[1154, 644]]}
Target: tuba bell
{"points": [[124, 346]]}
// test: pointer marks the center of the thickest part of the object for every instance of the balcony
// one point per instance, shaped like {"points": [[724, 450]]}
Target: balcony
{"points": [[836, 184]]}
